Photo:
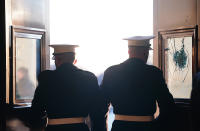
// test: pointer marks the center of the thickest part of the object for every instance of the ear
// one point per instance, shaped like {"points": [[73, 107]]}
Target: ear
{"points": [[75, 61]]}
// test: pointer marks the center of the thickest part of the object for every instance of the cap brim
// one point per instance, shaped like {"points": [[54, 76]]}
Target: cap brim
{"points": [[138, 38], [57, 45]]}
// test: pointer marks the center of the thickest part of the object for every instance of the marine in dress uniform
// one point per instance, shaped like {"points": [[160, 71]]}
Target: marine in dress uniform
{"points": [[133, 88], [66, 95]]}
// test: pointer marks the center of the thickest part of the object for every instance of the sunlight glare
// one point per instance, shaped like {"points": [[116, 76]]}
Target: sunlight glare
{"points": [[98, 27]]}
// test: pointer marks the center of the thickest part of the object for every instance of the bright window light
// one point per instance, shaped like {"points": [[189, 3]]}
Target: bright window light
{"points": [[99, 27]]}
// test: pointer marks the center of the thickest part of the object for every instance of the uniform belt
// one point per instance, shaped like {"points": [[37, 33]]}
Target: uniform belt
{"points": [[134, 118], [59, 121]]}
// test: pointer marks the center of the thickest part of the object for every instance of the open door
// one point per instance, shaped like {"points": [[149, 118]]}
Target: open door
{"points": [[176, 25], [24, 48], [2, 63]]}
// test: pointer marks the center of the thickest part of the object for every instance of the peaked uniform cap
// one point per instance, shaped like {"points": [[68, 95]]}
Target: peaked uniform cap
{"points": [[63, 48], [140, 41]]}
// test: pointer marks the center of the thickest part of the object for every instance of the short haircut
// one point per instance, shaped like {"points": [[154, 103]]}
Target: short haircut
{"points": [[66, 57], [138, 49]]}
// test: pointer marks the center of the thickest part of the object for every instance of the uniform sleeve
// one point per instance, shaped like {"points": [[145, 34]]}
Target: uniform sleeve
{"points": [[38, 115], [105, 96], [95, 113], [165, 100]]}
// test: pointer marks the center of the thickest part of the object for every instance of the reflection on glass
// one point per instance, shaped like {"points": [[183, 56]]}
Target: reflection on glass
{"points": [[24, 86], [27, 61], [178, 66]]}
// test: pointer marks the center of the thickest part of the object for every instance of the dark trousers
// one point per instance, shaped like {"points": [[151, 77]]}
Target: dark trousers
{"points": [[68, 127], [133, 126]]}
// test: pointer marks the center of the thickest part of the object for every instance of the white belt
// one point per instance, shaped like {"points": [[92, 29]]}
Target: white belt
{"points": [[60, 121], [134, 118]]}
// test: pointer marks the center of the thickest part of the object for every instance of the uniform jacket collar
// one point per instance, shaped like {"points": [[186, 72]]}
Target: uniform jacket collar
{"points": [[67, 66], [134, 60]]}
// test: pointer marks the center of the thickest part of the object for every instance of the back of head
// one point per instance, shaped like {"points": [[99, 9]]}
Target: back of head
{"points": [[64, 53], [138, 52], [67, 57]]}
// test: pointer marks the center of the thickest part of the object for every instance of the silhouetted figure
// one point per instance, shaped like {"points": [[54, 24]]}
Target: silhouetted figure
{"points": [[67, 95], [25, 87], [133, 88], [195, 102]]}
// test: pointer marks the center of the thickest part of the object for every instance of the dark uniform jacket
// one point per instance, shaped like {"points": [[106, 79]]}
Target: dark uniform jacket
{"points": [[195, 102], [133, 88], [65, 93]]}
